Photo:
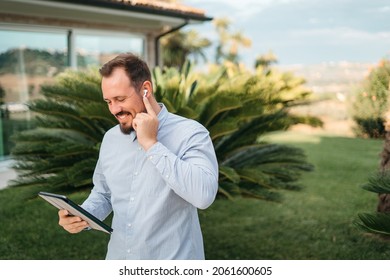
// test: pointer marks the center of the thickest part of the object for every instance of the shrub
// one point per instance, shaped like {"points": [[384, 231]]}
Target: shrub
{"points": [[235, 106], [372, 102]]}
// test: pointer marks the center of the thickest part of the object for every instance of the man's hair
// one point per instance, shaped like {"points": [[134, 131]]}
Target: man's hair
{"points": [[136, 69]]}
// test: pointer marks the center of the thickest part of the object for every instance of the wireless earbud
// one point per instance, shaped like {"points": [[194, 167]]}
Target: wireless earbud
{"points": [[145, 92]]}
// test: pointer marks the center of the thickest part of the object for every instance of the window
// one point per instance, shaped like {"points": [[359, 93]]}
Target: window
{"points": [[31, 56], [27, 59], [98, 48]]}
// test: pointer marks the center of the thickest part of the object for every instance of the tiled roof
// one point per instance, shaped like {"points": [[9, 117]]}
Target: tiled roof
{"points": [[162, 5], [157, 7]]}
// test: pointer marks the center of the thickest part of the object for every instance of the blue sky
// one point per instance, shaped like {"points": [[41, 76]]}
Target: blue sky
{"points": [[305, 31]]}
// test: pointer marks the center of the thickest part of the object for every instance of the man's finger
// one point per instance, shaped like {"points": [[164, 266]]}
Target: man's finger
{"points": [[63, 213], [76, 227], [148, 107]]}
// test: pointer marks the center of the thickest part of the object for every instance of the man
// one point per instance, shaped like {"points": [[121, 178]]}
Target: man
{"points": [[154, 170]]}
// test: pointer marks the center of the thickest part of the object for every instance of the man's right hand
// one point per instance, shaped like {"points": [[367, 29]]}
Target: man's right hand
{"points": [[72, 224]]}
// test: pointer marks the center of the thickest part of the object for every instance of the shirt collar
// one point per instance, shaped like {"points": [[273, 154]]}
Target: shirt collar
{"points": [[162, 115], [132, 136]]}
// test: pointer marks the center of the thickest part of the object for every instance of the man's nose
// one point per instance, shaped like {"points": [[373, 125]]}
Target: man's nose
{"points": [[115, 108]]}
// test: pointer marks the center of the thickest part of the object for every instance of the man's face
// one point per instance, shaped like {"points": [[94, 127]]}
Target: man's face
{"points": [[124, 102]]}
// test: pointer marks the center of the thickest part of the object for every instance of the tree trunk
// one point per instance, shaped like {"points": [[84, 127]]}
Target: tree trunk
{"points": [[384, 198]]}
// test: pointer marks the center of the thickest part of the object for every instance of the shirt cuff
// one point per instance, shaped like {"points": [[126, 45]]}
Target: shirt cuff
{"points": [[155, 152]]}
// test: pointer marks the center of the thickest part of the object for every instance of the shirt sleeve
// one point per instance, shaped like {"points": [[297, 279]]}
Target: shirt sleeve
{"points": [[98, 202], [193, 175]]}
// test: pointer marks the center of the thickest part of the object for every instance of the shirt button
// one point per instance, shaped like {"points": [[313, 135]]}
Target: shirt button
{"points": [[167, 176], [139, 148], [129, 225], [135, 173], [131, 198], [151, 157], [128, 251]]}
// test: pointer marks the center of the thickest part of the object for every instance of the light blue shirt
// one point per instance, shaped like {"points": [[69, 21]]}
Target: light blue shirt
{"points": [[155, 194]]}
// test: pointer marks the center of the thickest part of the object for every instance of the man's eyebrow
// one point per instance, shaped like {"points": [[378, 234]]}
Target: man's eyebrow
{"points": [[116, 97]]}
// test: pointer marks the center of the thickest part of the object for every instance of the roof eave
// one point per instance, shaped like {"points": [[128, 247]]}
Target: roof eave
{"points": [[139, 9]]}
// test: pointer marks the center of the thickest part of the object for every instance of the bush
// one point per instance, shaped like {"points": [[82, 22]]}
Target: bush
{"points": [[372, 102], [370, 127]]}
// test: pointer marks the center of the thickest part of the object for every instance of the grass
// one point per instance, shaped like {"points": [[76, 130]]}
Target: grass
{"points": [[314, 223], [30, 230]]}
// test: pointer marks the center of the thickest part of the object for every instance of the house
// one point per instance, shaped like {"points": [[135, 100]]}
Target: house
{"points": [[40, 38]]}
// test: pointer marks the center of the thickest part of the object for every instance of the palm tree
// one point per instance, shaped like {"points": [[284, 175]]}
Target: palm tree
{"points": [[221, 26], [197, 45], [266, 60], [230, 41], [237, 108], [61, 152], [379, 222], [384, 197], [379, 85], [180, 46], [237, 39]]}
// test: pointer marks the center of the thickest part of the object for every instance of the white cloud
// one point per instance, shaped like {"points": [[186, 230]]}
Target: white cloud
{"points": [[341, 33], [385, 9], [308, 30]]}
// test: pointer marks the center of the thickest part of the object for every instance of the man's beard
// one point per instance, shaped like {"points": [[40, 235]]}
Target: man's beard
{"points": [[126, 130]]}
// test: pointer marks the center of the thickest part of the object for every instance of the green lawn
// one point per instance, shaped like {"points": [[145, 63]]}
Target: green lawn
{"points": [[314, 223]]}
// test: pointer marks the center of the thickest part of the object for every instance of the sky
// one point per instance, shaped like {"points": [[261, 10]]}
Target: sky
{"points": [[304, 31]]}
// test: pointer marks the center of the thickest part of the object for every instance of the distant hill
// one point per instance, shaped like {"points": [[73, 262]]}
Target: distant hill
{"points": [[331, 77]]}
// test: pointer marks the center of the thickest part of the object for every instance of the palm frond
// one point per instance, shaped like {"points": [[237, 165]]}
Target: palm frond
{"points": [[61, 151], [378, 183], [375, 223], [229, 173]]}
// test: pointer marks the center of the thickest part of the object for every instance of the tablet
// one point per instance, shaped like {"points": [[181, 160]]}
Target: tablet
{"points": [[63, 202]]}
